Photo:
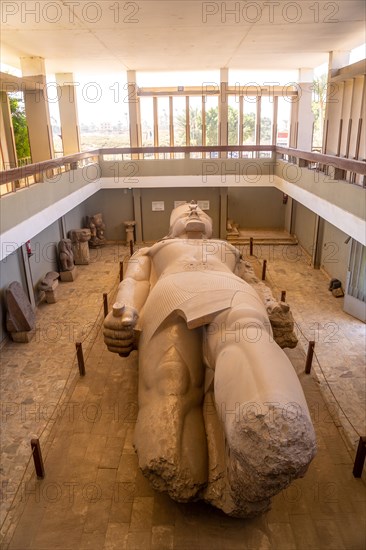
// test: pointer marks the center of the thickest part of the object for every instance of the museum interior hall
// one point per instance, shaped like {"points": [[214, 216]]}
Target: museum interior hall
{"points": [[248, 117]]}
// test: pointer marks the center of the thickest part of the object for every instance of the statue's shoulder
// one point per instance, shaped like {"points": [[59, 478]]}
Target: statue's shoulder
{"points": [[152, 250], [141, 252]]}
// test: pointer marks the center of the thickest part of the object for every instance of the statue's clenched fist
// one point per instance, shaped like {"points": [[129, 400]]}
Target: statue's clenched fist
{"points": [[119, 327]]}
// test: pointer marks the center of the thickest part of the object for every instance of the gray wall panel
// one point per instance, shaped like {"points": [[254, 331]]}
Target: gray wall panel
{"points": [[256, 208]]}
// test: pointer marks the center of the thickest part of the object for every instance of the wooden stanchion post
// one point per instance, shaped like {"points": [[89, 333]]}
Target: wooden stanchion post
{"points": [[105, 304], [80, 356], [131, 248], [283, 296], [37, 458], [360, 458], [251, 246], [309, 357], [264, 269], [120, 271]]}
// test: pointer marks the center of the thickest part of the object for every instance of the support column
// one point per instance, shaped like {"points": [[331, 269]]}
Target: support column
{"points": [[223, 109], [223, 211], [8, 157], [333, 105], [137, 214], [68, 113], [303, 112], [134, 110], [37, 112], [318, 242], [288, 215]]}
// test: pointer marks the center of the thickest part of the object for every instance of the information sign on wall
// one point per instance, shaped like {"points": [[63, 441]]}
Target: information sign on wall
{"points": [[158, 206], [179, 203], [204, 205]]}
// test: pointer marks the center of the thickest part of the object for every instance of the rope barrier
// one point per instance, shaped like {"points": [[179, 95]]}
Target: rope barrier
{"points": [[67, 387], [273, 284], [334, 397]]}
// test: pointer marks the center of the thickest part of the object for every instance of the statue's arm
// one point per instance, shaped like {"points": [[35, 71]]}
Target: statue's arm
{"points": [[135, 288], [132, 293]]}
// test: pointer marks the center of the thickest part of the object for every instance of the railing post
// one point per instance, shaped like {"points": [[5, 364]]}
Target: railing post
{"points": [[309, 357], [131, 248], [251, 246], [360, 458], [105, 304], [120, 271], [80, 356], [37, 458], [264, 269]]}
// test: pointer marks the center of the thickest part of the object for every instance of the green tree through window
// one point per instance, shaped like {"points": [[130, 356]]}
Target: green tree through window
{"points": [[20, 127], [195, 120]]}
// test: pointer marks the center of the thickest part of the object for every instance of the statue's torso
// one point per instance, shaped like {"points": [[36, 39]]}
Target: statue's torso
{"points": [[185, 255]]}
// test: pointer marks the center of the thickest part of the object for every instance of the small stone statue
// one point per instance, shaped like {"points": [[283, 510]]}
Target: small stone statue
{"points": [[79, 244], [49, 285], [129, 225], [97, 227], [66, 257], [20, 316]]}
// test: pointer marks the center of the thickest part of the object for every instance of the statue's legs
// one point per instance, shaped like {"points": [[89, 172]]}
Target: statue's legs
{"points": [[170, 436], [269, 436]]}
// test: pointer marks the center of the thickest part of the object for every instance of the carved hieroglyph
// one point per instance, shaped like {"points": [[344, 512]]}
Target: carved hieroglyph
{"points": [[222, 416]]}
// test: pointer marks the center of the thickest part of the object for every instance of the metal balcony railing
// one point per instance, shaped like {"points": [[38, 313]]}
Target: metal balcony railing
{"points": [[350, 170]]}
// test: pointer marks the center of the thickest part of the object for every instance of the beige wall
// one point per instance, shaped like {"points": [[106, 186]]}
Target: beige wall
{"points": [[155, 225], [256, 208], [304, 226], [335, 252], [116, 205]]}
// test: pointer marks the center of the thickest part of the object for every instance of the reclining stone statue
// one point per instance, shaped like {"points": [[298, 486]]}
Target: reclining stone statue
{"points": [[222, 416]]}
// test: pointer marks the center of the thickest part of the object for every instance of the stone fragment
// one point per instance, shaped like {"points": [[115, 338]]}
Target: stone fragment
{"points": [[66, 255], [338, 292], [49, 285], [20, 317], [129, 226], [80, 245], [68, 276], [279, 313], [97, 227]]}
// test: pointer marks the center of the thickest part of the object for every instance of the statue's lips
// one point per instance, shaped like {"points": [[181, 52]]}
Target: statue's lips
{"points": [[195, 225]]}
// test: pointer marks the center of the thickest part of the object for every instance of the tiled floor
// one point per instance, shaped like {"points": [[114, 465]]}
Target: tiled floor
{"points": [[94, 496]]}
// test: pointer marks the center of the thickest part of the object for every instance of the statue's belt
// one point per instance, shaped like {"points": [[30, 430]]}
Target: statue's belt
{"points": [[196, 296]]}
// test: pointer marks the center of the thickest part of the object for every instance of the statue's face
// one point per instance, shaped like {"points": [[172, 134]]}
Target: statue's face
{"points": [[189, 221]]}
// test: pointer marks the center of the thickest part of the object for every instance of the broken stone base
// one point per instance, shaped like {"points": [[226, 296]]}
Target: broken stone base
{"points": [[68, 276], [51, 296], [338, 292], [81, 253], [279, 313], [23, 337]]}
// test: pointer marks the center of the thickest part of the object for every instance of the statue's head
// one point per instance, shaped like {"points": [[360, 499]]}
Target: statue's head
{"points": [[65, 246], [188, 221]]}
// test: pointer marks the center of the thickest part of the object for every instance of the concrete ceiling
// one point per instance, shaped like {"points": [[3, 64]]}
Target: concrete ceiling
{"points": [[148, 35]]}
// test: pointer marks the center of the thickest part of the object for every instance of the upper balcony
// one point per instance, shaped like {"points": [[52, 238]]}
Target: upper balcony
{"points": [[34, 196]]}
